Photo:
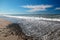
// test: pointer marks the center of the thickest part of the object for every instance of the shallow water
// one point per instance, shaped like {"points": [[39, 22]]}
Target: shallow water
{"points": [[31, 26]]}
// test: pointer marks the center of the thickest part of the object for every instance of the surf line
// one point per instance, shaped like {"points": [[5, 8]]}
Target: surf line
{"points": [[34, 18]]}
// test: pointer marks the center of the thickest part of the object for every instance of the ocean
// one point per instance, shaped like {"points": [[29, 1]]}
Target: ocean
{"points": [[35, 25]]}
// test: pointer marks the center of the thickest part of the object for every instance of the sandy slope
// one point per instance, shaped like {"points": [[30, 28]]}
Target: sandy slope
{"points": [[3, 30], [11, 31], [4, 23]]}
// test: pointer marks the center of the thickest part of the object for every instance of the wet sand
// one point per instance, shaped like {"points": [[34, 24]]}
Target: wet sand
{"points": [[4, 30], [4, 23]]}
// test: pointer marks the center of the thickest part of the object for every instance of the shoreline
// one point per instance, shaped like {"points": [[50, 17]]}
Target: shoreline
{"points": [[11, 31], [4, 23]]}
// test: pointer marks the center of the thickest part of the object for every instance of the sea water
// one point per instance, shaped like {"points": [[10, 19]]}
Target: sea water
{"points": [[35, 25]]}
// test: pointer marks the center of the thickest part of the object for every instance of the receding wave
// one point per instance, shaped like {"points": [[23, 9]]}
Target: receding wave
{"points": [[36, 26]]}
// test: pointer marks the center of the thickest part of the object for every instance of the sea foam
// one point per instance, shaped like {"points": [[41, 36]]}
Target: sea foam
{"points": [[34, 18]]}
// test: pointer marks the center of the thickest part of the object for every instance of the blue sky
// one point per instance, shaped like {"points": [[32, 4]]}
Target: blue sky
{"points": [[29, 6]]}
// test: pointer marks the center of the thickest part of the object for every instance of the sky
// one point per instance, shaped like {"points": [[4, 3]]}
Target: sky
{"points": [[29, 6]]}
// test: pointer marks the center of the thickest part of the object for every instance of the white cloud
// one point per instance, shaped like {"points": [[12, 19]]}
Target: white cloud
{"points": [[57, 8], [34, 8]]}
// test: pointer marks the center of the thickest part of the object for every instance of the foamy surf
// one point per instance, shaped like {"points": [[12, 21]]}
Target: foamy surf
{"points": [[35, 18], [36, 26]]}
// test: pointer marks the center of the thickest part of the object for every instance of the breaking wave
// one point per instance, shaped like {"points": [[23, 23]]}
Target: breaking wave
{"points": [[34, 18]]}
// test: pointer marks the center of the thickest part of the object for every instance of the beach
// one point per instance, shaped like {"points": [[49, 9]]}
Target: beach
{"points": [[3, 30], [10, 31], [29, 28]]}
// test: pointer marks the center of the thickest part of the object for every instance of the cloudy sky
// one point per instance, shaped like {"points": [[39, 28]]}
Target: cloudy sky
{"points": [[29, 6]]}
